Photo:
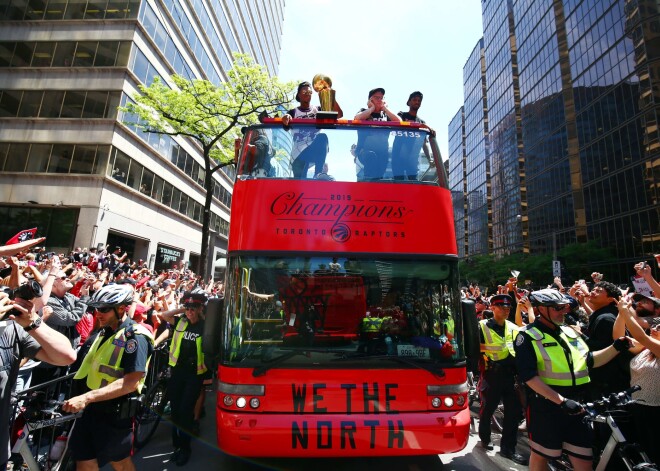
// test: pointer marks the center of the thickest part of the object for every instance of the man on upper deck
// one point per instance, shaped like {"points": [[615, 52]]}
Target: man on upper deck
{"points": [[406, 148], [372, 146], [303, 138]]}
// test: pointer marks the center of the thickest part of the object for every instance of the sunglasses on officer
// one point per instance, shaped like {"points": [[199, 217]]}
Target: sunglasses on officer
{"points": [[104, 310], [559, 307]]}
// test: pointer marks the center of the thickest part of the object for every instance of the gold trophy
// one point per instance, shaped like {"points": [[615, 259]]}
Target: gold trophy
{"points": [[323, 86]]}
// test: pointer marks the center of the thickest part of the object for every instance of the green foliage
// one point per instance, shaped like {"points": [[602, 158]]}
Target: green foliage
{"points": [[579, 260], [210, 114]]}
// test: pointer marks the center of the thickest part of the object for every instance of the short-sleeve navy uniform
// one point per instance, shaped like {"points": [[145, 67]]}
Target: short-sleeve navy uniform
{"points": [[100, 434], [550, 428]]}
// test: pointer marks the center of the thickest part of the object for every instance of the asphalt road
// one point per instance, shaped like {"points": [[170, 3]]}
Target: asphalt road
{"points": [[155, 456]]}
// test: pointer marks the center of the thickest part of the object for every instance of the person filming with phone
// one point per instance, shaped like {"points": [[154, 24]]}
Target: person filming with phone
{"points": [[24, 337]]}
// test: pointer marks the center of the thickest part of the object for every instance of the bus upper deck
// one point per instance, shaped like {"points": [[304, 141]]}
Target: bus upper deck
{"points": [[342, 150]]}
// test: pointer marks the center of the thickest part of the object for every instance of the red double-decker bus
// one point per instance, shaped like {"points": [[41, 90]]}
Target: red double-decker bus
{"points": [[342, 331]]}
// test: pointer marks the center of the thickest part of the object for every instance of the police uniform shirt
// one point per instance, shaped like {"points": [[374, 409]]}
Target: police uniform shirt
{"points": [[499, 330], [137, 348], [526, 356], [187, 360]]}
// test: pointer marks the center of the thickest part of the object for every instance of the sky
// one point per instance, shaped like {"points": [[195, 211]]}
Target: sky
{"points": [[401, 46]]}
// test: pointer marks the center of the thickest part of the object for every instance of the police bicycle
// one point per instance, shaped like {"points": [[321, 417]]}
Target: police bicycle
{"points": [[39, 431], [152, 404], [603, 411]]}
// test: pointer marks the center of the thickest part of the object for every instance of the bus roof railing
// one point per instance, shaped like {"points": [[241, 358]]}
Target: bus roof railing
{"points": [[349, 122]]}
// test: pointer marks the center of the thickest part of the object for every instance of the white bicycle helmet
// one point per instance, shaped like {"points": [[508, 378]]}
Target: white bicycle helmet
{"points": [[548, 297], [112, 295]]}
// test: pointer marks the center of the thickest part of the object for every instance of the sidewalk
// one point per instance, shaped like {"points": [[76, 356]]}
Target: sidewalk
{"points": [[489, 458]]}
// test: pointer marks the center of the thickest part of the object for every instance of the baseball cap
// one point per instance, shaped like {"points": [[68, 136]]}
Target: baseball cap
{"points": [[126, 281], [376, 90], [501, 300], [640, 296], [300, 87], [414, 94]]}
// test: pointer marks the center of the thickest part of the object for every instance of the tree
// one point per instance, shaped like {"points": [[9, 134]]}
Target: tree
{"points": [[580, 260], [211, 115]]}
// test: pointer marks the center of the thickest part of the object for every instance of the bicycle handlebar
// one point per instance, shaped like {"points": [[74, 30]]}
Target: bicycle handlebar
{"points": [[606, 403]]}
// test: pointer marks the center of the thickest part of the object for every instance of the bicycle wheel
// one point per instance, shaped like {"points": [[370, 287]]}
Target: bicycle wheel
{"points": [[561, 464], [497, 422], [473, 391], [149, 415], [66, 463]]}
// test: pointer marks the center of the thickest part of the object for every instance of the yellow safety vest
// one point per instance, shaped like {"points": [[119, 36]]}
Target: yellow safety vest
{"points": [[496, 348], [371, 324], [101, 364], [552, 364], [175, 348]]}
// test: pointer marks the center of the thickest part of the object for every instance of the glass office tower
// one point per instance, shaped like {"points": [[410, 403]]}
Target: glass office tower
{"points": [[508, 205], [573, 114], [68, 164], [457, 181], [477, 166]]}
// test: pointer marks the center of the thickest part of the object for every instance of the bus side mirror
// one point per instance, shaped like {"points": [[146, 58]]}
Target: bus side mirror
{"points": [[237, 149], [471, 334], [212, 335]]}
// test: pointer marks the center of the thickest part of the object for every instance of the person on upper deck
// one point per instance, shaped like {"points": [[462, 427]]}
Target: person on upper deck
{"points": [[305, 137], [406, 148], [372, 146]]}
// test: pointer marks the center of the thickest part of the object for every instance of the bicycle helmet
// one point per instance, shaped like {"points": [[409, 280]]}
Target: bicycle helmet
{"points": [[195, 297], [548, 297], [112, 295]]}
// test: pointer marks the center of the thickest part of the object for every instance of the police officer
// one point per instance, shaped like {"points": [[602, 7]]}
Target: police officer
{"points": [[369, 332], [188, 369], [553, 361], [498, 377], [112, 375]]}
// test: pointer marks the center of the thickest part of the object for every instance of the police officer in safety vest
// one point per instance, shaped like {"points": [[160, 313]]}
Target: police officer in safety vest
{"points": [[553, 361], [498, 378], [112, 375], [188, 369]]}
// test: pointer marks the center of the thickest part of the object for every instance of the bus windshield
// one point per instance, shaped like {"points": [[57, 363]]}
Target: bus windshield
{"points": [[334, 311], [347, 153]]}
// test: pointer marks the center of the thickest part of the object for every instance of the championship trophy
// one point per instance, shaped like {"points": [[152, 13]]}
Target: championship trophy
{"points": [[322, 85]]}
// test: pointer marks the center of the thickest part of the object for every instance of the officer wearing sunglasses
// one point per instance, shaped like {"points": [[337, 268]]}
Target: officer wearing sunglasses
{"points": [[112, 376], [553, 361]]}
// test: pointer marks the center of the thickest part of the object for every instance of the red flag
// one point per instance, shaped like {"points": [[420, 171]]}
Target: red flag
{"points": [[22, 236]]}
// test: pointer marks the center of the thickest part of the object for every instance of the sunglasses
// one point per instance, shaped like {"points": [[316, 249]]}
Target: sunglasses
{"points": [[104, 310], [559, 308], [192, 306]]}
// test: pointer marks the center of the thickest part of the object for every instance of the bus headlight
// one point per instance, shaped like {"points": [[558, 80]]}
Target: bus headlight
{"points": [[228, 401], [241, 402], [435, 402], [449, 402], [254, 402]]}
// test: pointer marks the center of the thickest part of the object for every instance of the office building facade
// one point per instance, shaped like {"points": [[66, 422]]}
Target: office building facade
{"points": [[69, 165], [573, 142]]}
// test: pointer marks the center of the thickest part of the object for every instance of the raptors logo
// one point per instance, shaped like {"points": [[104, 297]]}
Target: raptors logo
{"points": [[341, 233]]}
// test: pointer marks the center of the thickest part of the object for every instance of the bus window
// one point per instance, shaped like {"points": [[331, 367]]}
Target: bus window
{"points": [[351, 307], [304, 151]]}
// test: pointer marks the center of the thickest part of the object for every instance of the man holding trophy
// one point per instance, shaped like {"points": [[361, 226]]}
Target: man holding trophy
{"points": [[310, 146]]}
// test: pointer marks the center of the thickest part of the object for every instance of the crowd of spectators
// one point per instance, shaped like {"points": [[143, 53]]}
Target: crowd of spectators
{"points": [[602, 312], [67, 282]]}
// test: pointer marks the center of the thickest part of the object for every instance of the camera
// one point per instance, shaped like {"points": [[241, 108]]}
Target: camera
{"points": [[27, 291]]}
